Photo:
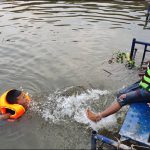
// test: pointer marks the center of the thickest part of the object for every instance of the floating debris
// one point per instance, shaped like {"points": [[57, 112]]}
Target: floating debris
{"points": [[122, 57]]}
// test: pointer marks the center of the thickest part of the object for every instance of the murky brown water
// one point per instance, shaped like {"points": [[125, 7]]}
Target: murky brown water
{"points": [[47, 47]]}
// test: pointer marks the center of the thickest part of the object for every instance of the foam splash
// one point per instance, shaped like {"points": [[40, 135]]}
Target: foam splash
{"points": [[72, 105], [107, 122], [59, 108]]}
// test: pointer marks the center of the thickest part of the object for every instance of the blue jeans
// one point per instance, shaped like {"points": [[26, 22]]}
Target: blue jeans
{"points": [[134, 94]]}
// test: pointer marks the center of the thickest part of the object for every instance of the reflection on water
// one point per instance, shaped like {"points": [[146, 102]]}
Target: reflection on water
{"points": [[49, 45]]}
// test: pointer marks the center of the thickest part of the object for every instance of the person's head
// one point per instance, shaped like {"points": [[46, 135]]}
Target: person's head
{"points": [[17, 97]]}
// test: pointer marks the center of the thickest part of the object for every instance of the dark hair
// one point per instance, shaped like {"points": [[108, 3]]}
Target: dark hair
{"points": [[12, 95]]}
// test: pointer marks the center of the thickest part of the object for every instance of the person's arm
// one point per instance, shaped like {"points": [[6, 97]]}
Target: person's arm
{"points": [[146, 62], [141, 74], [5, 116]]}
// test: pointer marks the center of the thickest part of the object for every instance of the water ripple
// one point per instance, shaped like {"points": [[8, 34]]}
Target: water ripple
{"points": [[49, 45], [120, 12]]}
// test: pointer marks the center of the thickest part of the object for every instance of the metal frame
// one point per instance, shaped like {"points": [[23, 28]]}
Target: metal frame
{"points": [[147, 18], [134, 50], [106, 140], [135, 129]]}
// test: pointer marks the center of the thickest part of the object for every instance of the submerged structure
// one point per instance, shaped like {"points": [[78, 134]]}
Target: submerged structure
{"points": [[147, 17]]}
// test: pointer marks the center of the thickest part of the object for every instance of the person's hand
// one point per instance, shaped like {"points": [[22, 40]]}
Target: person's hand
{"points": [[122, 96], [5, 116], [146, 62], [11, 120], [93, 116], [148, 104]]}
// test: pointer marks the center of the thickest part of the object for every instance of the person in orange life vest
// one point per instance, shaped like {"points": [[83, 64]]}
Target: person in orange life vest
{"points": [[13, 104], [139, 92]]}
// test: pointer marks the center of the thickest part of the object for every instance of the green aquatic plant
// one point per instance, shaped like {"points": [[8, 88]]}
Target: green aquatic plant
{"points": [[122, 57]]}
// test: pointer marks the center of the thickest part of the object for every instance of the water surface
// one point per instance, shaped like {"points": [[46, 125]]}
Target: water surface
{"points": [[57, 51]]}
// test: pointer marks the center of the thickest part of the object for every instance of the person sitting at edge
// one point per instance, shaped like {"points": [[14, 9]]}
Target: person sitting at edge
{"points": [[139, 92], [13, 104]]}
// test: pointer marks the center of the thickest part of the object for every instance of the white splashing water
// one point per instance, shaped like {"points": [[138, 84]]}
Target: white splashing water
{"points": [[58, 108]]}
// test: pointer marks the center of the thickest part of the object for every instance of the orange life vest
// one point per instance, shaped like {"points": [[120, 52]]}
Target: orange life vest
{"points": [[18, 109]]}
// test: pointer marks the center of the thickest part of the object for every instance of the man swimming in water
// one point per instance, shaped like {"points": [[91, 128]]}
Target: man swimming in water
{"points": [[13, 104]]}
